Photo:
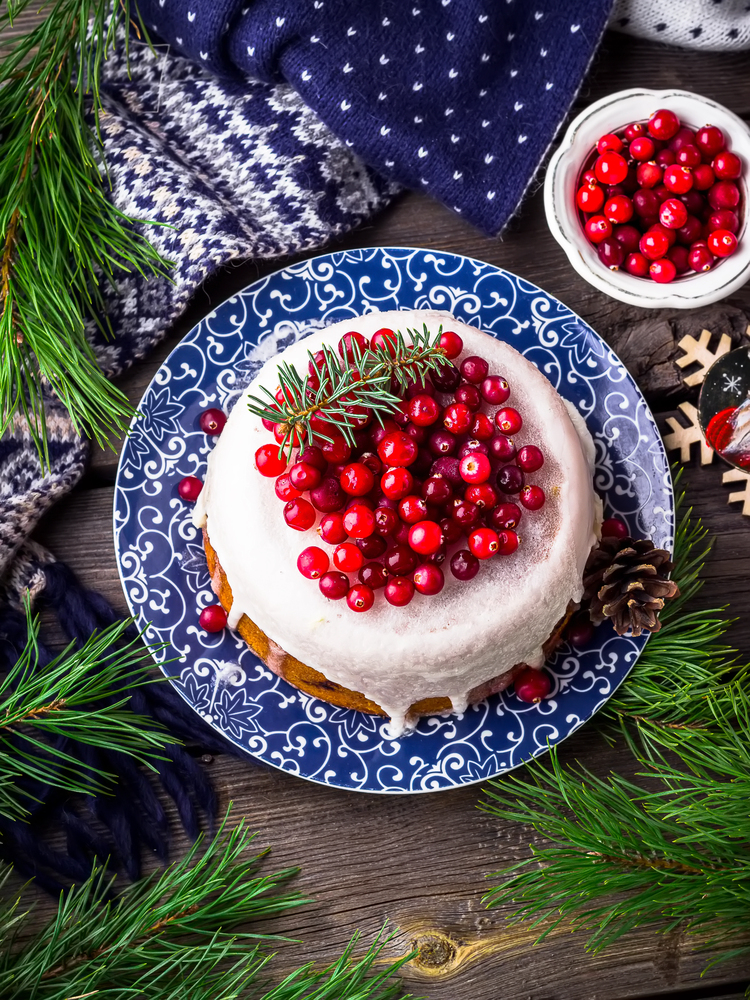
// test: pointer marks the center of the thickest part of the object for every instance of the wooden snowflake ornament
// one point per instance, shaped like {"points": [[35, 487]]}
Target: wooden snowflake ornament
{"points": [[739, 496], [698, 352], [684, 437]]}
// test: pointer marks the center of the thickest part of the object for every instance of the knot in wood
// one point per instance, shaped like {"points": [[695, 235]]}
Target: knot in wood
{"points": [[435, 951]]}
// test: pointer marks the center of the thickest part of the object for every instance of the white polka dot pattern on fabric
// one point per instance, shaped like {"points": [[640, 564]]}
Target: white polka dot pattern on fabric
{"points": [[714, 25]]}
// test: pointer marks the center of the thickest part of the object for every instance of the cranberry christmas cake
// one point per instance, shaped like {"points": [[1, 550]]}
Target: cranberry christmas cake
{"points": [[409, 561]]}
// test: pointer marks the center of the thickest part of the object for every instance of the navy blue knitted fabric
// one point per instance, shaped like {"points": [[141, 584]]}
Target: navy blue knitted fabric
{"points": [[459, 98]]}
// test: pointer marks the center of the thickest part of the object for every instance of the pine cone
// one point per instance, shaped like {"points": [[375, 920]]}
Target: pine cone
{"points": [[626, 580]]}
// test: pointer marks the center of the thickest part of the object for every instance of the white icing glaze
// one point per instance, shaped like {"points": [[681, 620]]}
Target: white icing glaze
{"points": [[436, 646]]}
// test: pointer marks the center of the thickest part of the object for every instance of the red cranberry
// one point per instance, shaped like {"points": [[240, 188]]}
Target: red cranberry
{"points": [[690, 231], [359, 521], [312, 455], [611, 168], [412, 509], [378, 433], [445, 377], [437, 490], [598, 228], [386, 521], [451, 344], [508, 542], [700, 257], [642, 148], [373, 574], [464, 565], [423, 410], [532, 497], [331, 528], [337, 450], [466, 514], [426, 537], [502, 447], [510, 479], [694, 202], [399, 591], [420, 468], [285, 490], [397, 448], [619, 209], [665, 158], [474, 369], [347, 558], [442, 443], [357, 479], [722, 243], [468, 394], [628, 236], [590, 198], [504, 516], [580, 631], [724, 194], [530, 458], [637, 265], [634, 131], [452, 530], [360, 597], [683, 137], [189, 488], [703, 177], [334, 585], [269, 462], [428, 579], [611, 253], [648, 175], [212, 421], [482, 428], [420, 388], [447, 466], [678, 179], [669, 233], [508, 421], [654, 245], [645, 203], [418, 434], [679, 257], [304, 477], [457, 418], [726, 166], [663, 270], [532, 686], [384, 339], [484, 543], [688, 155], [475, 467], [482, 494], [663, 124], [710, 140], [312, 562], [299, 514], [346, 346], [401, 414], [673, 214], [213, 618], [400, 561], [609, 142], [328, 496], [723, 219], [614, 527]]}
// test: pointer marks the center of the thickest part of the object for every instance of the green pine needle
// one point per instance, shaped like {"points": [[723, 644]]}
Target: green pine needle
{"points": [[616, 854], [367, 381], [180, 933], [82, 694], [60, 238]]}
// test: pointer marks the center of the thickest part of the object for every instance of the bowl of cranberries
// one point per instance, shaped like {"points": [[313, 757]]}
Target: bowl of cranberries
{"points": [[648, 197]]}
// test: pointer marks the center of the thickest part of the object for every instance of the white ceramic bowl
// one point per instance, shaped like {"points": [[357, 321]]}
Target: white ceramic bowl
{"points": [[609, 115]]}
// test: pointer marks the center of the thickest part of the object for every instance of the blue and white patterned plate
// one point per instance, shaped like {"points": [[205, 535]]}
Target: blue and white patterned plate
{"points": [[163, 568]]}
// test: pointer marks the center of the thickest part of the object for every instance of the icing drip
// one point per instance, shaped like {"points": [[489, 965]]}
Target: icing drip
{"points": [[437, 646]]}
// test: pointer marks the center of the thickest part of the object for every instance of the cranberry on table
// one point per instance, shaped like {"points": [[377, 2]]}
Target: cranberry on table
{"points": [[464, 565], [334, 585], [359, 521], [451, 343], [688, 155], [426, 537], [428, 579], [399, 591], [373, 574], [481, 427], [678, 179], [532, 686], [508, 542], [611, 168], [665, 158], [634, 131], [457, 418], [532, 497], [356, 479], [304, 476], [691, 231], [386, 520], [642, 148], [474, 369], [503, 447], [299, 514], [447, 466], [648, 175], [723, 219], [484, 543], [269, 462], [437, 490], [726, 166], [373, 546], [412, 509], [312, 562], [619, 209], [609, 142], [348, 558], [654, 244], [475, 468], [468, 394], [703, 177], [396, 483], [590, 198], [189, 488], [382, 430], [346, 346], [212, 421], [530, 458], [508, 421], [679, 257], [336, 450], [445, 377], [724, 194], [384, 338], [423, 410], [483, 495], [328, 495], [628, 236], [466, 513], [442, 443], [672, 213], [683, 137], [580, 631], [397, 448], [614, 527], [285, 490], [213, 618], [510, 479], [360, 597], [505, 516]]}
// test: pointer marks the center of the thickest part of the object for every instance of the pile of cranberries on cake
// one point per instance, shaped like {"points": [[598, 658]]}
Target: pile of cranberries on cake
{"points": [[439, 481], [661, 200]]}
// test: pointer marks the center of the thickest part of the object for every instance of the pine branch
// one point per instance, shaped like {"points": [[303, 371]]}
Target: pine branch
{"points": [[177, 934], [60, 238], [368, 381], [620, 855], [81, 695]]}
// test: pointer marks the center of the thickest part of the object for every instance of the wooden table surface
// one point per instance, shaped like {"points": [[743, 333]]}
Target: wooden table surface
{"points": [[421, 862]]}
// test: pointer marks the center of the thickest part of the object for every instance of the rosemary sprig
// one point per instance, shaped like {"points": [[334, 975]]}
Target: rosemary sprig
{"points": [[60, 238], [365, 381]]}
